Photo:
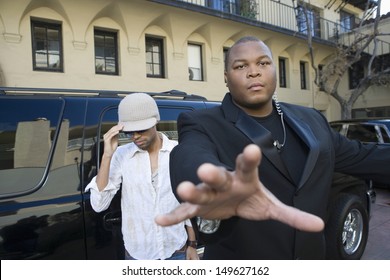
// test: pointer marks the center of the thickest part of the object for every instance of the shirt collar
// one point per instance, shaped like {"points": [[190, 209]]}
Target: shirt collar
{"points": [[167, 146]]}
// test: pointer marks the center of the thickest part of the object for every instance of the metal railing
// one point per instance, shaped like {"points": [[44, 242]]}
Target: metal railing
{"points": [[282, 16]]}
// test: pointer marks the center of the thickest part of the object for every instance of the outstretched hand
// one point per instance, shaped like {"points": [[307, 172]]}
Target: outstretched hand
{"points": [[224, 194]]}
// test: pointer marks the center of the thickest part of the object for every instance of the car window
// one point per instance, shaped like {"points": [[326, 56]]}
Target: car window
{"points": [[336, 127], [385, 136], [362, 132], [27, 129]]}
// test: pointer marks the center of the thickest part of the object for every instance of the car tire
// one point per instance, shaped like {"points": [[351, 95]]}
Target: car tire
{"points": [[346, 231]]}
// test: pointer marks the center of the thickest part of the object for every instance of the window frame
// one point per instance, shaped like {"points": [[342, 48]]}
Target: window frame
{"points": [[303, 74], [200, 61], [47, 24], [225, 52], [282, 72], [313, 16], [321, 85], [106, 33], [347, 21], [161, 57]]}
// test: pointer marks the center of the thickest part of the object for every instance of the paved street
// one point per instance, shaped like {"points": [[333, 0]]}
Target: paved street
{"points": [[378, 246]]}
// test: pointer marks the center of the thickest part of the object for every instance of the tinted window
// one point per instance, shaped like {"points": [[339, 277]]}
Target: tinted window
{"points": [[336, 127], [364, 133], [27, 129], [168, 124]]}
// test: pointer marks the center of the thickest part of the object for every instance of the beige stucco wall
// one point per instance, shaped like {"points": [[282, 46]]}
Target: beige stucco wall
{"points": [[133, 20]]}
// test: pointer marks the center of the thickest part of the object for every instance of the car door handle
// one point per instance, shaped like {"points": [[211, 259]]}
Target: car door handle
{"points": [[112, 219]]}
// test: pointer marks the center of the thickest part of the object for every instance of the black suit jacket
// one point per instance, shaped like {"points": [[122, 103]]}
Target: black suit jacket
{"points": [[219, 134]]}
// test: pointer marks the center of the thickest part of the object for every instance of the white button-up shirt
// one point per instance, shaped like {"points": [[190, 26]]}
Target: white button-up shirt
{"points": [[141, 202]]}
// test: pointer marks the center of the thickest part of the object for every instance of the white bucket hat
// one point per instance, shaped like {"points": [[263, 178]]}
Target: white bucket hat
{"points": [[138, 111]]}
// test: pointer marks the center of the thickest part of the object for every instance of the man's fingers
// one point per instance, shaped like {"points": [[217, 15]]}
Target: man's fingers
{"points": [[252, 157], [216, 177], [113, 131], [200, 194], [247, 163], [299, 219], [183, 212]]}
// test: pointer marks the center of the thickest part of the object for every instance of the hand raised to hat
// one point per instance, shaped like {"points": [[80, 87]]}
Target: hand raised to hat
{"points": [[110, 145], [224, 194], [111, 140]]}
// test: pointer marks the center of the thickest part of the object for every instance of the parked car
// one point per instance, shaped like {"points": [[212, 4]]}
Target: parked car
{"points": [[364, 130], [370, 130], [50, 148]]}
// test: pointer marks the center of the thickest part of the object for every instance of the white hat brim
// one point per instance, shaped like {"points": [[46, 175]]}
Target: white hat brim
{"points": [[139, 125]]}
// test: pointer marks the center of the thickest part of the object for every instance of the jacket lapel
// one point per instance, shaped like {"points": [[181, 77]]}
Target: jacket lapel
{"points": [[255, 132], [306, 134], [263, 138]]}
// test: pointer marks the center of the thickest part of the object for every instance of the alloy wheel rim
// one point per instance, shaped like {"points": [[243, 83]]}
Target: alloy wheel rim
{"points": [[352, 231]]}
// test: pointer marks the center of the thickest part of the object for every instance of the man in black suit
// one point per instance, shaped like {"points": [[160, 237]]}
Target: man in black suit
{"points": [[280, 215]]}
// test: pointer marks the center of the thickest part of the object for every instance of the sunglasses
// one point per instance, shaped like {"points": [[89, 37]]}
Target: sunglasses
{"points": [[131, 133]]}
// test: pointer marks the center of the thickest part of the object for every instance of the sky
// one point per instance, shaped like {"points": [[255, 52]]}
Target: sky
{"points": [[385, 6]]}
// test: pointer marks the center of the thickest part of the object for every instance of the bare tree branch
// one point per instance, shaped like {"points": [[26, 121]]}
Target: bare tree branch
{"points": [[348, 55]]}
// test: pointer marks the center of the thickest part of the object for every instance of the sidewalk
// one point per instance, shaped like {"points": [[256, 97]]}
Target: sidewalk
{"points": [[378, 245]]}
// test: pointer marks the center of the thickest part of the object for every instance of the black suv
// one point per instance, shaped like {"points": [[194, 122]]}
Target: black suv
{"points": [[50, 148]]}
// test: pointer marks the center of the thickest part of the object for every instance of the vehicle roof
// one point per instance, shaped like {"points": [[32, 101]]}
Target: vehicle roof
{"points": [[361, 120], [90, 93]]}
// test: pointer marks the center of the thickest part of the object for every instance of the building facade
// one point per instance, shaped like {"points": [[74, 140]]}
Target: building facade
{"points": [[160, 45]]}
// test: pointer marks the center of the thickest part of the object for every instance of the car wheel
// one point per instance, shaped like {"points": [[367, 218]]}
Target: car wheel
{"points": [[346, 231]]}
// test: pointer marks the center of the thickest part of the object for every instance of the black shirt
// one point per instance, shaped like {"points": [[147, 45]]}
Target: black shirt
{"points": [[294, 150]]}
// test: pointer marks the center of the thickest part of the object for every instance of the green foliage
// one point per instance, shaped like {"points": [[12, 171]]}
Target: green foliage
{"points": [[248, 8]]}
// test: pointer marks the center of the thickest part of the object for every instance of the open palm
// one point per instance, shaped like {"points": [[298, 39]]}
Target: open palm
{"points": [[224, 194]]}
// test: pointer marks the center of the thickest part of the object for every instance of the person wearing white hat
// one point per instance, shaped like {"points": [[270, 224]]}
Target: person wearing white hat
{"points": [[142, 169]]}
